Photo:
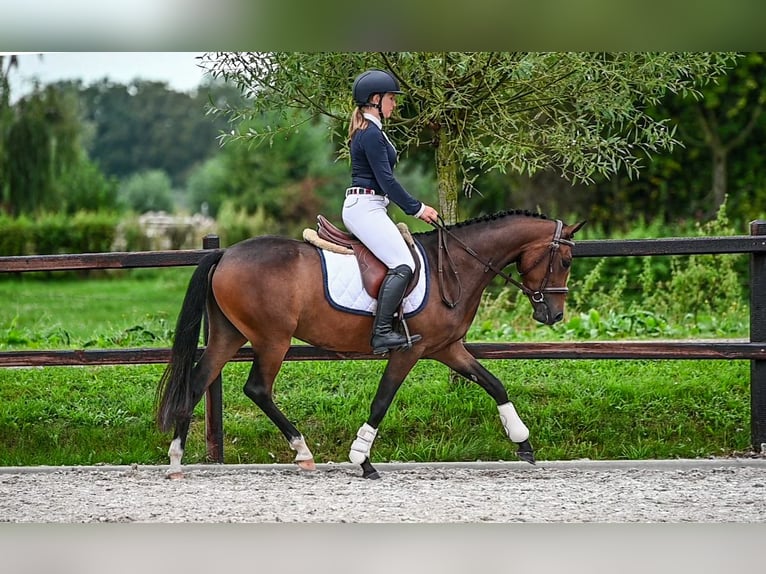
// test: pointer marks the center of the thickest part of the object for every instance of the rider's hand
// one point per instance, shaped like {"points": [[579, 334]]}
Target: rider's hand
{"points": [[429, 215]]}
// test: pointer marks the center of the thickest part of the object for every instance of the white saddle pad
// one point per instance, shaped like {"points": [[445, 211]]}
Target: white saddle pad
{"points": [[344, 290]]}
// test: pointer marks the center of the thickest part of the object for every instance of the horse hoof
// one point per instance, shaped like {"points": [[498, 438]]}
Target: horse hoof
{"points": [[368, 471], [526, 456], [306, 464], [526, 452], [177, 475]]}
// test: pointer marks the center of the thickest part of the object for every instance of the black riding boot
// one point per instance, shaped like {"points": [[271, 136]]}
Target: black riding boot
{"points": [[384, 338]]}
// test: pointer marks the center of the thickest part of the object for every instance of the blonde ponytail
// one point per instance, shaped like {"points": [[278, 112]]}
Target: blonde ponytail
{"points": [[357, 122]]}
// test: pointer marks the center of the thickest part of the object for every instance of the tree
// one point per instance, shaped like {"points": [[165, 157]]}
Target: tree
{"points": [[722, 137], [721, 122], [145, 125], [150, 190], [7, 63], [287, 178], [84, 187], [582, 114], [43, 142]]}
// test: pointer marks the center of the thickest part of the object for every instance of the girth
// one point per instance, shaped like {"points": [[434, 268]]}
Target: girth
{"points": [[372, 269]]}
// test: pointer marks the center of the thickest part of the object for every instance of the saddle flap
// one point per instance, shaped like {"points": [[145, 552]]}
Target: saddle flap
{"points": [[329, 232], [372, 269]]}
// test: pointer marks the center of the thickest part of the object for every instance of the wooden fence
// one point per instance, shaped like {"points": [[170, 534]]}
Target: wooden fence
{"points": [[753, 349]]}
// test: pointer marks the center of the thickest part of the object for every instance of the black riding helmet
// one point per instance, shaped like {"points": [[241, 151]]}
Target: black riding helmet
{"points": [[373, 82]]}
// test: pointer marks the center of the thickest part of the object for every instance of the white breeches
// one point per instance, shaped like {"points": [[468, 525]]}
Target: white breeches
{"points": [[366, 217]]}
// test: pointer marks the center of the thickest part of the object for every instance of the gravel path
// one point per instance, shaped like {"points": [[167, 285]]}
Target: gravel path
{"points": [[714, 491]]}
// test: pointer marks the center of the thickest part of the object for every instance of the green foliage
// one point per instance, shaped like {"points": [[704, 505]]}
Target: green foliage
{"points": [[46, 168], [702, 285], [547, 100], [147, 191], [209, 185], [583, 114], [70, 143], [51, 233], [83, 233], [575, 409], [92, 232], [43, 142], [289, 178], [235, 224], [132, 234], [722, 134], [16, 235], [7, 64], [592, 325], [84, 186], [146, 126]]}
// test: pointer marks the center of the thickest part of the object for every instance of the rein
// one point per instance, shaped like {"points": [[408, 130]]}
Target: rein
{"points": [[537, 296]]}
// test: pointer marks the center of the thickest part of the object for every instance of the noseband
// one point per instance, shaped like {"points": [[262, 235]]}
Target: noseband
{"points": [[535, 295]]}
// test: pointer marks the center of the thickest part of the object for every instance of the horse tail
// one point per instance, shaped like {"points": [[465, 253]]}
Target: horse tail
{"points": [[173, 399]]}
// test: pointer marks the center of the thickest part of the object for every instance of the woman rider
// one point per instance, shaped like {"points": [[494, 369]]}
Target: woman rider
{"points": [[373, 186]]}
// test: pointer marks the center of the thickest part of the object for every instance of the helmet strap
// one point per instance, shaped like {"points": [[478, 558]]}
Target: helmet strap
{"points": [[377, 106]]}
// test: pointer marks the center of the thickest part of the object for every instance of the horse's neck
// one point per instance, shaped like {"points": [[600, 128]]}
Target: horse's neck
{"points": [[501, 244]]}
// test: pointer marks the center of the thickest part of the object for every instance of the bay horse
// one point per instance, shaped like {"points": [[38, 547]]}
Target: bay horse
{"points": [[268, 289]]}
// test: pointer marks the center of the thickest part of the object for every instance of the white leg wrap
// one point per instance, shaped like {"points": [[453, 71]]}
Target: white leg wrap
{"points": [[360, 448], [516, 430], [302, 451], [175, 453]]}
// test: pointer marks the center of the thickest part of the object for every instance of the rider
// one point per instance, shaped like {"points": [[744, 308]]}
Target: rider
{"points": [[373, 185]]}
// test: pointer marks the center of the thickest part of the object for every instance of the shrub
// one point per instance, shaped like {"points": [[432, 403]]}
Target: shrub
{"points": [[702, 284], [85, 232], [236, 224], [16, 235]]}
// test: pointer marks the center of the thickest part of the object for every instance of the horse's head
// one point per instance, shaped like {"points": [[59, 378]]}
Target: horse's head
{"points": [[544, 268]]}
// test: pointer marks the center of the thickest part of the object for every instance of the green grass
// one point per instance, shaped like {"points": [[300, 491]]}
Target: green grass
{"points": [[575, 409], [598, 409], [124, 308]]}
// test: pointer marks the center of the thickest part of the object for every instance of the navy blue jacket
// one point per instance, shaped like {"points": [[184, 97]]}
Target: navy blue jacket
{"points": [[372, 163]]}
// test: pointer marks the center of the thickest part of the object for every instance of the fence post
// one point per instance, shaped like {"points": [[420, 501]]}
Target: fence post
{"points": [[214, 393], [758, 335]]}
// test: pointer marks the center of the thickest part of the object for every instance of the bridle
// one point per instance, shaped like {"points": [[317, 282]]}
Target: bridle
{"points": [[535, 295]]}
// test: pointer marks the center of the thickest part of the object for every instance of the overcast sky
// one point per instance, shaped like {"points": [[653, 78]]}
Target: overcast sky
{"points": [[178, 69]]}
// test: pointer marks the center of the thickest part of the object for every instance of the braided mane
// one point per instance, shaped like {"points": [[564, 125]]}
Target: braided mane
{"points": [[492, 217]]}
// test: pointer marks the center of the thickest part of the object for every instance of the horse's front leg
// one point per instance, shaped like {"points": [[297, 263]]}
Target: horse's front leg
{"points": [[396, 370], [457, 357]]}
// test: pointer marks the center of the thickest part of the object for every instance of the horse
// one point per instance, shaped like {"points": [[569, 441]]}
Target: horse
{"points": [[269, 289]]}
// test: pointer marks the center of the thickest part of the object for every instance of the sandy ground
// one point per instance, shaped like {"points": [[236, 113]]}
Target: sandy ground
{"points": [[701, 491]]}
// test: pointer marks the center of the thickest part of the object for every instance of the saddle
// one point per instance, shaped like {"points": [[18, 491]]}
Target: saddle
{"points": [[372, 269]]}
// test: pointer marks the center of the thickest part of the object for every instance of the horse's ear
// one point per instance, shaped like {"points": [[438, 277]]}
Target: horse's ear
{"points": [[576, 227]]}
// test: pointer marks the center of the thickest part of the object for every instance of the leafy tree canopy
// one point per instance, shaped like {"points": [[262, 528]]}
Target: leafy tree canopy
{"points": [[582, 114]]}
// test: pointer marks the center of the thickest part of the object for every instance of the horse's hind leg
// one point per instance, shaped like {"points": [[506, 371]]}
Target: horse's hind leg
{"points": [[202, 376], [258, 388], [225, 341], [460, 360], [396, 370]]}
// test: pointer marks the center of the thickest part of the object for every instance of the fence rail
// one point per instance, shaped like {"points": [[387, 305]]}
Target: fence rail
{"points": [[753, 349]]}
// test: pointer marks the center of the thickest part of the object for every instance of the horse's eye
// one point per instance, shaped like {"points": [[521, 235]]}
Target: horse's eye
{"points": [[566, 263]]}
